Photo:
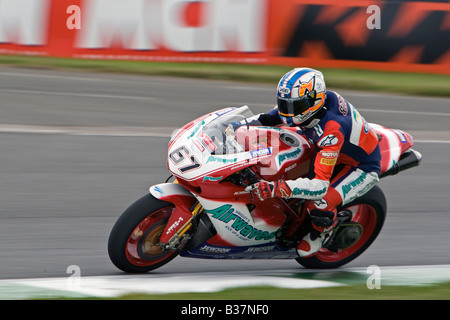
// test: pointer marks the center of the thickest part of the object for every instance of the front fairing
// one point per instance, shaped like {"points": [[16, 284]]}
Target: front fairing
{"points": [[204, 153], [204, 150]]}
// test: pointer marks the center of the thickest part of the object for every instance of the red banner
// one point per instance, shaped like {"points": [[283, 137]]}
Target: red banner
{"points": [[402, 36]]}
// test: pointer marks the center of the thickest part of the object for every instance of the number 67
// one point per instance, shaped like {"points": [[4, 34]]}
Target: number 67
{"points": [[179, 155]]}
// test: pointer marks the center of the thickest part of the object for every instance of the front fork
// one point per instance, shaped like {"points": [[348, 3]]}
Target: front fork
{"points": [[180, 235], [180, 221]]}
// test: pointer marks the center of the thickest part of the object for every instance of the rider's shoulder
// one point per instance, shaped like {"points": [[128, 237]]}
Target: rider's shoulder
{"points": [[337, 104], [334, 97]]}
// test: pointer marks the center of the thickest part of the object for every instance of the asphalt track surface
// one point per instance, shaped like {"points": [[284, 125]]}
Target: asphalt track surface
{"points": [[77, 148]]}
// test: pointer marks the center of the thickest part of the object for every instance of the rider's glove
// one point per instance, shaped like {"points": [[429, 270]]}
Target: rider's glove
{"points": [[234, 125], [266, 189]]}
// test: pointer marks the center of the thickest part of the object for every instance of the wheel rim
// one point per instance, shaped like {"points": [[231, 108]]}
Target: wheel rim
{"points": [[366, 216], [142, 248]]}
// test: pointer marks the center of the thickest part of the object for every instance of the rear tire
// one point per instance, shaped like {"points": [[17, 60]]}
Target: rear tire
{"points": [[370, 212], [133, 244]]}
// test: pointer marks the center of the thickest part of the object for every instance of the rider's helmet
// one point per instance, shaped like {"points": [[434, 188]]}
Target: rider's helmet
{"points": [[300, 95]]}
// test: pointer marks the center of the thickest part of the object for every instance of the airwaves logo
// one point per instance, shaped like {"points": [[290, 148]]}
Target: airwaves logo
{"points": [[289, 156], [226, 214]]}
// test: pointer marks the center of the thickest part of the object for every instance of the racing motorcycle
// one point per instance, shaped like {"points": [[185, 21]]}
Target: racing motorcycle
{"points": [[207, 213]]}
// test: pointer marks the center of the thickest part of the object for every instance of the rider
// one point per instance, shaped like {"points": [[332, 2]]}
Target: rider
{"points": [[347, 159]]}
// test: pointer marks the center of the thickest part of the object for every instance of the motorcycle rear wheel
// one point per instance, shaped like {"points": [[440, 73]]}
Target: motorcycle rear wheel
{"points": [[370, 212], [133, 244]]}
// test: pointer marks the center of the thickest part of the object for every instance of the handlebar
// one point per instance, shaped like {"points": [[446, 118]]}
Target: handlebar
{"points": [[249, 177]]}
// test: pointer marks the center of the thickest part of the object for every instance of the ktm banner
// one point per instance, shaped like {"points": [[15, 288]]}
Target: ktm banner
{"points": [[385, 35], [396, 35]]}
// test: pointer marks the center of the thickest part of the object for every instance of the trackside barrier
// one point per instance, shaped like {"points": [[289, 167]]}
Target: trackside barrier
{"points": [[383, 35]]}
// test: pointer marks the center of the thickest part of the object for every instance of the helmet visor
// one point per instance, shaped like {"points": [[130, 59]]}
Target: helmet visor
{"points": [[294, 107]]}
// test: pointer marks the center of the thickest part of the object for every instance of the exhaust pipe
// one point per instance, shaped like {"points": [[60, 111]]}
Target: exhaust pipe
{"points": [[408, 159]]}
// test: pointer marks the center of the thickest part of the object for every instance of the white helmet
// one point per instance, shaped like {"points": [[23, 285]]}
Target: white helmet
{"points": [[300, 95]]}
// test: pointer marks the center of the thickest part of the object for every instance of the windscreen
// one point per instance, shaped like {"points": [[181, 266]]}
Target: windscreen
{"points": [[221, 134]]}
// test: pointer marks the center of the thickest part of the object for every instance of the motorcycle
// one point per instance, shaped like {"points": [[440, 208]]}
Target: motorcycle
{"points": [[206, 212]]}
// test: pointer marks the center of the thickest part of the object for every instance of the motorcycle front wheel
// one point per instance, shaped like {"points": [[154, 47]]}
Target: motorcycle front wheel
{"points": [[133, 244], [369, 211]]}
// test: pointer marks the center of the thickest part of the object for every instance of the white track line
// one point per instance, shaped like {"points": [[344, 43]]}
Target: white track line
{"points": [[125, 131], [90, 131], [113, 286], [83, 95]]}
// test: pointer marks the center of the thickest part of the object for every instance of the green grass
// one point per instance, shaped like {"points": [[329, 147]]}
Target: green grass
{"points": [[368, 80], [350, 292], [354, 292]]}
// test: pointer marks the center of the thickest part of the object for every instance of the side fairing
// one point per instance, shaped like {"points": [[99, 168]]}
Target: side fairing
{"points": [[237, 226]]}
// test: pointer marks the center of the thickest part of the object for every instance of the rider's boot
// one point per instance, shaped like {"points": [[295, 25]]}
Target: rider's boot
{"points": [[312, 243], [323, 223]]}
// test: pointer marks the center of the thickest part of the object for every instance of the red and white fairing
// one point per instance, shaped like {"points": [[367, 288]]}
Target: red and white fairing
{"points": [[203, 154], [393, 143]]}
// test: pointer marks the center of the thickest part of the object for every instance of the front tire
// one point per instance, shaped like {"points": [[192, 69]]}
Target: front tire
{"points": [[133, 244], [370, 212]]}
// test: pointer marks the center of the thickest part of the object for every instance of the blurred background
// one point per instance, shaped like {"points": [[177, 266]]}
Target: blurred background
{"points": [[384, 35], [91, 90]]}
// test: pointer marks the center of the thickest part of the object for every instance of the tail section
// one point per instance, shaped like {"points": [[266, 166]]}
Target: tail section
{"points": [[396, 152]]}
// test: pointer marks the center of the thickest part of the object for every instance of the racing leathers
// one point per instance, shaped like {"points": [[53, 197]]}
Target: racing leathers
{"points": [[346, 166]]}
